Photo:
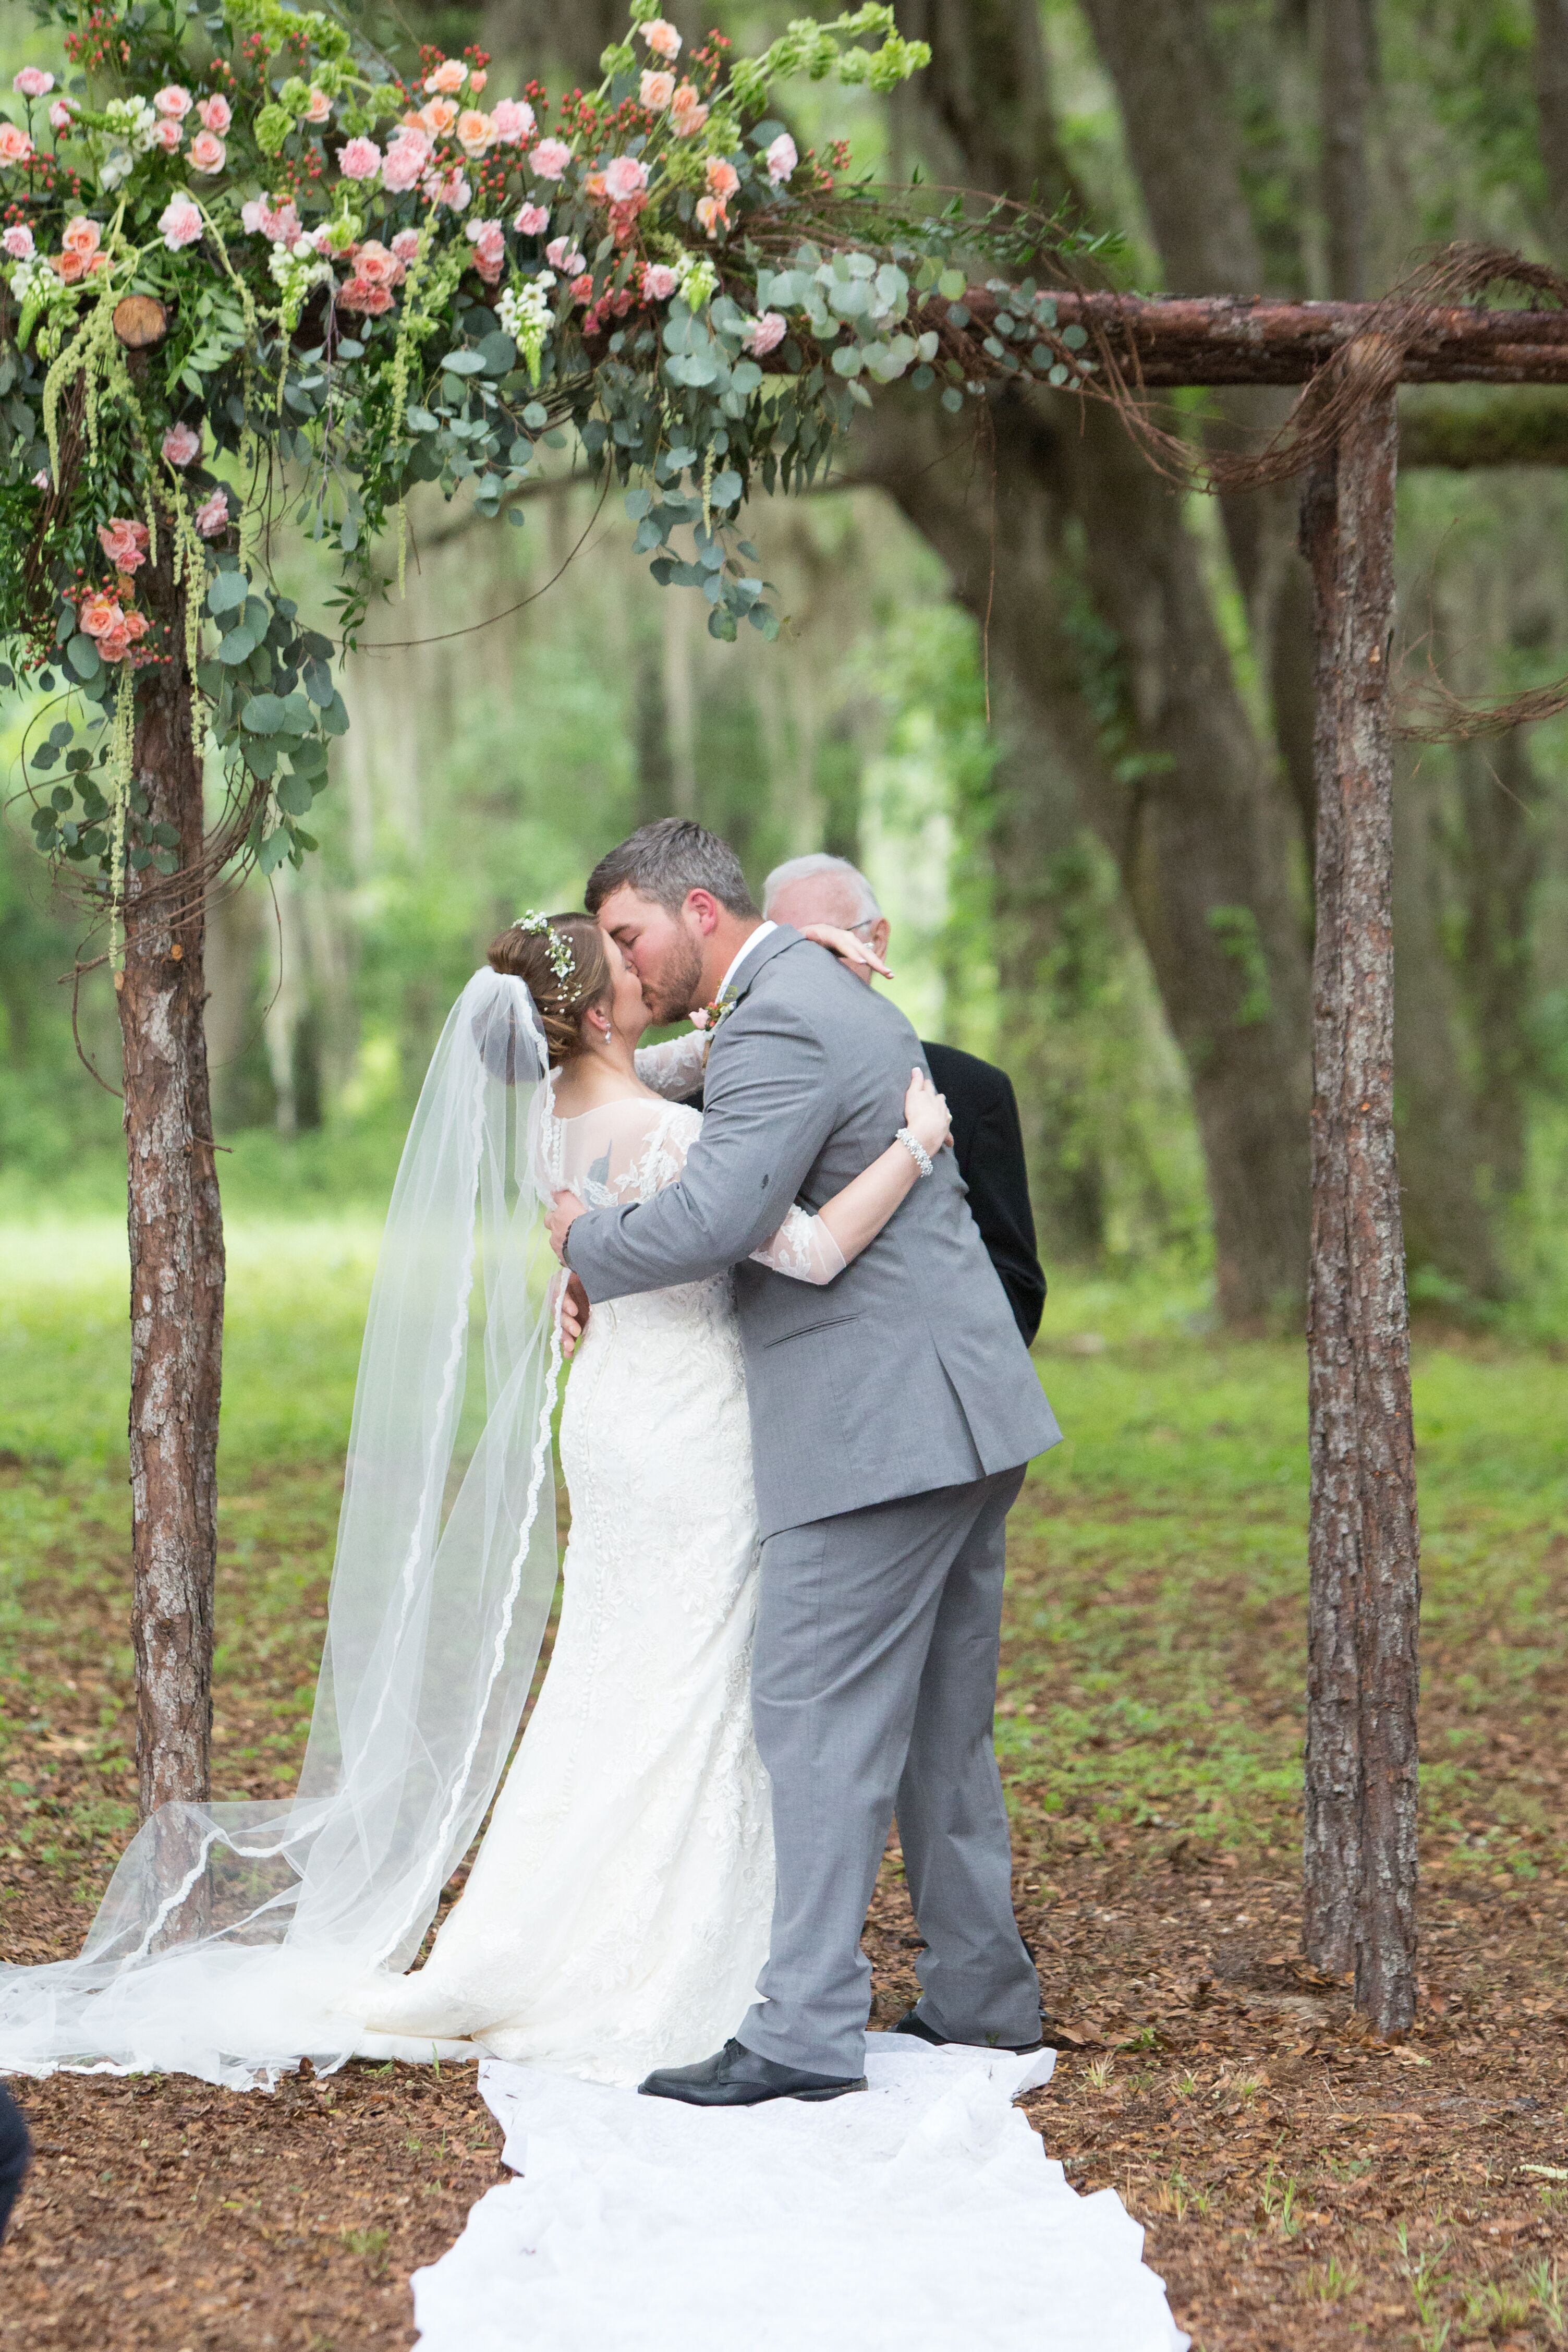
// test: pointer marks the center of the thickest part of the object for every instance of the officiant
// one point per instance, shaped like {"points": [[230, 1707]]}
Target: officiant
{"points": [[988, 1140]]}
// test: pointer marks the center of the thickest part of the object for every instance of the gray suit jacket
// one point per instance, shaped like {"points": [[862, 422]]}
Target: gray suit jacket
{"points": [[905, 1373]]}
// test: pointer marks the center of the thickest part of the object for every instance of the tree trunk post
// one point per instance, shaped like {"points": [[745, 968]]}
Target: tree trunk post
{"points": [[1361, 1685], [176, 1241]]}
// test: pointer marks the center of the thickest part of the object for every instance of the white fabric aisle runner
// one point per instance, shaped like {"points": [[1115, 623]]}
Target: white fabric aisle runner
{"points": [[922, 2214]]}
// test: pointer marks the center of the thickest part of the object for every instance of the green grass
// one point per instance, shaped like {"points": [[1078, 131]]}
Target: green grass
{"points": [[1155, 1659]]}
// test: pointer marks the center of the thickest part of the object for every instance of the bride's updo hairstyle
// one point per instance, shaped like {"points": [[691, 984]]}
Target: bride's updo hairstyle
{"points": [[565, 967]]}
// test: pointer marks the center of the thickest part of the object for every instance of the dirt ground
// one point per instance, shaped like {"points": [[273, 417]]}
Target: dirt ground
{"points": [[1299, 2187]]}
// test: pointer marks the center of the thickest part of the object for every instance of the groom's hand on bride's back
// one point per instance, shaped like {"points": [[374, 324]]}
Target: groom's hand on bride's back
{"points": [[571, 1301]]}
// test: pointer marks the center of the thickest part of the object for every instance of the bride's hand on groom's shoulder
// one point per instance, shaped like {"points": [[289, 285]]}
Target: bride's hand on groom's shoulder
{"points": [[846, 946]]}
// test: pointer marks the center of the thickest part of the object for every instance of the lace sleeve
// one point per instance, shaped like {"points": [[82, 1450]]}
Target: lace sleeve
{"points": [[802, 1248], [674, 1069]]}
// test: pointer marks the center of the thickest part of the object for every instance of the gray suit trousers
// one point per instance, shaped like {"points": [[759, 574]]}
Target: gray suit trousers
{"points": [[874, 1685]]}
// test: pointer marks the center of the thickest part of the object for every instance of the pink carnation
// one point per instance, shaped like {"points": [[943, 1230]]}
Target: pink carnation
{"points": [[60, 115], [181, 445], [360, 159], [512, 122], [550, 159], [281, 226], [364, 295], [581, 289], [215, 113], [765, 334], [174, 101], [207, 154], [662, 37], [488, 240], [782, 159], [33, 82], [659, 281], [532, 221], [213, 520], [405, 245], [449, 188], [124, 542], [624, 177], [181, 224], [656, 90], [407, 156], [561, 255], [19, 243]]}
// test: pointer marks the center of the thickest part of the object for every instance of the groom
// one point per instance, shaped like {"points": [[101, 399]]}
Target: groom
{"points": [[892, 1416]]}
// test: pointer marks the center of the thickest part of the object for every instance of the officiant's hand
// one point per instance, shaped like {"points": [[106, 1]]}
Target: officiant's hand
{"points": [[572, 1300], [847, 946], [565, 1210]]}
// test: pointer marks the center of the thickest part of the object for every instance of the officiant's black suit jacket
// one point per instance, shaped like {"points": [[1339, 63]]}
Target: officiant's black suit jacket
{"points": [[988, 1143]]}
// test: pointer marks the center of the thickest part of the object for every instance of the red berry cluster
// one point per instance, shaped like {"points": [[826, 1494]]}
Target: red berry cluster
{"points": [[98, 43]]}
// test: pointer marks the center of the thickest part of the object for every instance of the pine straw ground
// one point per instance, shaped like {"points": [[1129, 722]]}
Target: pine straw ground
{"points": [[1300, 2187]]}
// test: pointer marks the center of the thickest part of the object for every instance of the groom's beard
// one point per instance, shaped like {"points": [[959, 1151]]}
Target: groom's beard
{"points": [[676, 987]]}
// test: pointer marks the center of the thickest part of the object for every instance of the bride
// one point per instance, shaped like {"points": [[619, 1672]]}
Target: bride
{"points": [[618, 1911]]}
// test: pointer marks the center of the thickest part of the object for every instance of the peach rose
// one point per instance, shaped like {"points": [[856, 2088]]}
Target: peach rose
{"points": [[359, 294], [723, 179], [439, 117], [581, 289], [318, 107], [662, 37], [216, 114], [377, 266], [448, 78], [207, 154], [81, 236], [475, 131], [687, 112], [16, 147], [711, 215], [124, 541], [98, 613], [70, 268], [656, 90]]}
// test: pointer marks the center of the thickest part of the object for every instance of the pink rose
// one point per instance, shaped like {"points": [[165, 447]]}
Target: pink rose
{"points": [[659, 281], [361, 294], [174, 101], [448, 78], [81, 236], [216, 114], [581, 289], [711, 215], [722, 178], [207, 154], [168, 134], [405, 245], [478, 77], [687, 113], [33, 82], [700, 1017], [656, 90], [114, 642], [98, 612], [765, 334], [19, 243], [124, 541], [360, 159], [70, 268], [407, 156], [181, 224], [181, 445], [550, 159], [782, 159], [16, 147], [472, 131], [560, 254], [512, 122], [318, 107], [624, 178], [213, 520], [41, 479], [60, 115], [662, 37], [532, 221], [377, 266]]}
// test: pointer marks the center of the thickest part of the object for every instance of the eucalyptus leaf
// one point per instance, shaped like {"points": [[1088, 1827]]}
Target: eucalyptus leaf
{"points": [[465, 363], [262, 714]]}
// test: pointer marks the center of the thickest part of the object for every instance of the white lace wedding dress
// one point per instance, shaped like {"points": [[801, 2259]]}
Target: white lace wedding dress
{"points": [[617, 1915]]}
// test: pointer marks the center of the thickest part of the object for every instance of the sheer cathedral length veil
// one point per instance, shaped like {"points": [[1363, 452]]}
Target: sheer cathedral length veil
{"points": [[233, 1937]]}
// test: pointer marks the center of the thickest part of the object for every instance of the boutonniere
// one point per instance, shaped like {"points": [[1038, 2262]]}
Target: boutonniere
{"points": [[708, 1017]]}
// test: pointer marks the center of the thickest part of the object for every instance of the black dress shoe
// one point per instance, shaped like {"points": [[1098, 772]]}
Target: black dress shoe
{"points": [[910, 2024], [737, 2077]]}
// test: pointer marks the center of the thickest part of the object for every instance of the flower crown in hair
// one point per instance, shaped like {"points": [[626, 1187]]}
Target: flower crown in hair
{"points": [[563, 962]]}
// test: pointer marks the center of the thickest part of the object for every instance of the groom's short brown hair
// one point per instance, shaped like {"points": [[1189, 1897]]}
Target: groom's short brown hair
{"points": [[665, 860]]}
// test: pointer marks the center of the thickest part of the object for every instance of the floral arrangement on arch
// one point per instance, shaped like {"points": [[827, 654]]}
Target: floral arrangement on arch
{"points": [[249, 270]]}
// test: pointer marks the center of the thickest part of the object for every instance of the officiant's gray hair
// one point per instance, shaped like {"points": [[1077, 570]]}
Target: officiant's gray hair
{"points": [[805, 869], [665, 860]]}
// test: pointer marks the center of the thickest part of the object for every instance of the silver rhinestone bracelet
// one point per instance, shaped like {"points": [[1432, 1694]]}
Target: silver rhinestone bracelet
{"points": [[916, 1151]]}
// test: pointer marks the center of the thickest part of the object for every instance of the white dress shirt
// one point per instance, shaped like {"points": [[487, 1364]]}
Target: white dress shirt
{"points": [[754, 941]]}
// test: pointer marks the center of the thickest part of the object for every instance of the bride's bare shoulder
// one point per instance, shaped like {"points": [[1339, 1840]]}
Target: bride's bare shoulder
{"points": [[573, 1099]]}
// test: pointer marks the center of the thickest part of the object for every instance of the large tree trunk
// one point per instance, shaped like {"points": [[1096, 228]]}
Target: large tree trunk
{"points": [[1361, 1763], [176, 1251], [1501, 796], [1345, 71]]}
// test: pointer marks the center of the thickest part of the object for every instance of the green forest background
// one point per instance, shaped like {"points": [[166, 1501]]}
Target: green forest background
{"points": [[1055, 710]]}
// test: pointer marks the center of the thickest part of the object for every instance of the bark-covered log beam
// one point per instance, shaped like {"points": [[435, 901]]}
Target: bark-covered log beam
{"points": [[1177, 339]]}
